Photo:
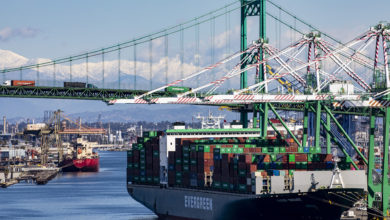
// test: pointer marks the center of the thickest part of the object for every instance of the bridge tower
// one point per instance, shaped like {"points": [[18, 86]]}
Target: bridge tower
{"points": [[254, 8]]}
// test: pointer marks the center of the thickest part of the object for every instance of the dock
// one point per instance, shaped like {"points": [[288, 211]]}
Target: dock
{"points": [[43, 177], [39, 175]]}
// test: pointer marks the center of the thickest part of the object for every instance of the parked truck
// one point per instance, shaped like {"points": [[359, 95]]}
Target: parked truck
{"points": [[79, 85], [19, 83]]}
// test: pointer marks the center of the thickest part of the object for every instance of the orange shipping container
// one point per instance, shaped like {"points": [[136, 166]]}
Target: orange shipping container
{"points": [[22, 83]]}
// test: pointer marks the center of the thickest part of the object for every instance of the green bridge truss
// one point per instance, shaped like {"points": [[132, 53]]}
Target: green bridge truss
{"points": [[69, 93]]}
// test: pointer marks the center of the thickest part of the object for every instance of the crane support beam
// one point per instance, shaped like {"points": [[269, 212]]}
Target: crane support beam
{"points": [[328, 135], [385, 164], [372, 188], [317, 125], [284, 125], [305, 124], [326, 125], [275, 129], [346, 135]]}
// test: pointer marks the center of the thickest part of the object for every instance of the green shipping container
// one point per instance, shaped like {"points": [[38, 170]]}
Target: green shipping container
{"points": [[241, 187], [225, 185], [316, 158], [242, 172], [291, 158], [273, 157], [217, 185], [177, 89]]}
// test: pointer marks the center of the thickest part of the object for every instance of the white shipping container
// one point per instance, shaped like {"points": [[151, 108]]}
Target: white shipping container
{"points": [[344, 87], [17, 153], [35, 127]]}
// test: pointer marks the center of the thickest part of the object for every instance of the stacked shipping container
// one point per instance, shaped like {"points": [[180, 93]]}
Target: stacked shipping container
{"points": [[223, 164], [143, 161]]}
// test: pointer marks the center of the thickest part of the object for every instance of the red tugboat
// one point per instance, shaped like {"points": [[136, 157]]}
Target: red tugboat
{"points": [[81, 157]]}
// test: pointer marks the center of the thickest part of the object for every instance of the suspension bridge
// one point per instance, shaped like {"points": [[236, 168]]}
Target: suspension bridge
{"points": [[310, 72]]}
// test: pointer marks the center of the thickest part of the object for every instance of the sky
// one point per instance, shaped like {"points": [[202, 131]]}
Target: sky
{"points": [[53, 29]]}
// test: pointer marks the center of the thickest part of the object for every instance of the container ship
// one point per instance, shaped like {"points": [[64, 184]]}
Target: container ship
{"points": [[80, 157], [231, 173]]}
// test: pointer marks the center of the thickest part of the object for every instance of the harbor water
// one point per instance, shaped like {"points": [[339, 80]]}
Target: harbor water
{"points": [[100, 195]]}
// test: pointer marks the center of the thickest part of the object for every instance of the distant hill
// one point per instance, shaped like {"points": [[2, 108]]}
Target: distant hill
{"points": [[177, 113], [139, 113]]}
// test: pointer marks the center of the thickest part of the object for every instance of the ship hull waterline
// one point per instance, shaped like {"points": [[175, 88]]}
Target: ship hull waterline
{"points": [[183, 203], [83, 165]]}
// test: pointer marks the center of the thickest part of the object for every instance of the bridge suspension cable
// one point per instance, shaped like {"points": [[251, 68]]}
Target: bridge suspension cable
{"points": [[252, 47], [102, 68], [119, 67], [143, 39], [135, 66]]}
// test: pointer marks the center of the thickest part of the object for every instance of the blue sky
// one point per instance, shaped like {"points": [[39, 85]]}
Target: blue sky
{"points": [[62, 28], [53, 29]]}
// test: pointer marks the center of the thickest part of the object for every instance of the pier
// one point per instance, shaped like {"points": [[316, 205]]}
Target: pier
{"points": [[39, 175]]}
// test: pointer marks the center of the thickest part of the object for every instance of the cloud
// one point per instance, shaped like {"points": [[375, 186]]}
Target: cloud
{"points": [[8, 33]]}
